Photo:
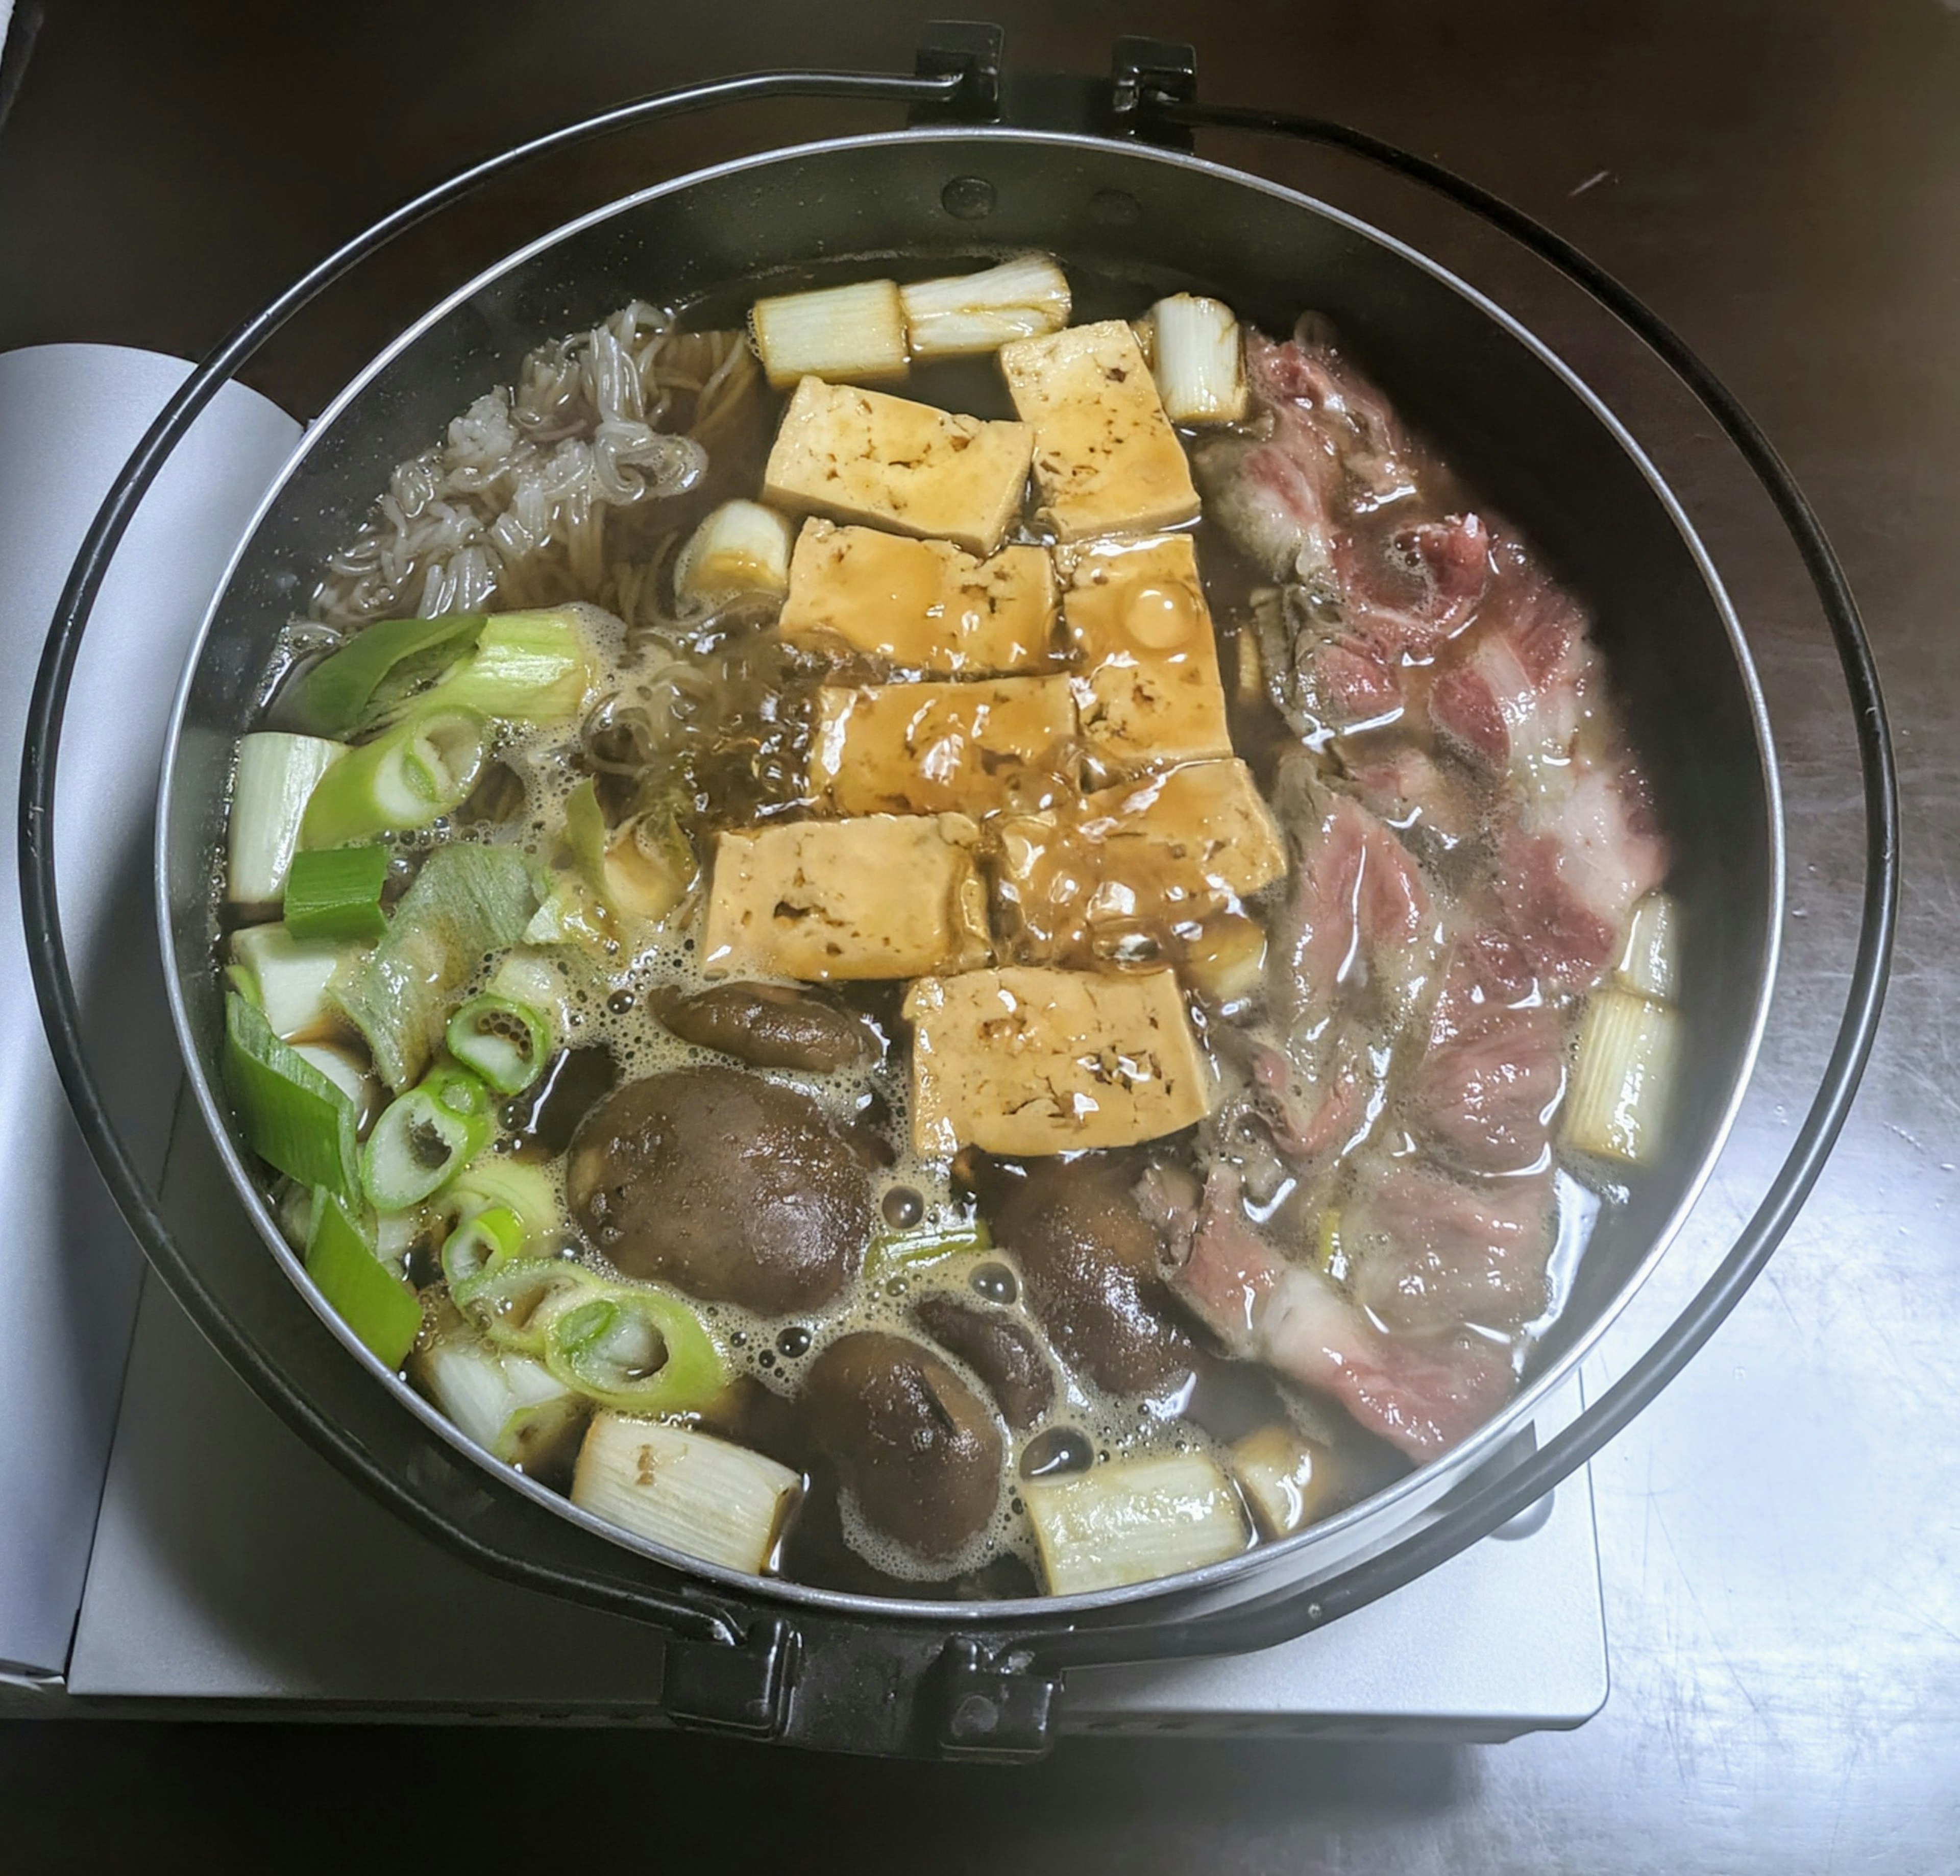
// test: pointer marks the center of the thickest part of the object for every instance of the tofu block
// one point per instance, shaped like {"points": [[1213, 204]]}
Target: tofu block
{"points": [[1106, 461], [923, 604], [1144, 862], [933, 748], [1146, 680], [890, 895], [1027, 1061], [864, 456]]}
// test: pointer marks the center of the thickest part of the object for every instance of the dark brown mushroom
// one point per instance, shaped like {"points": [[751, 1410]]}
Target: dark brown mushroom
{"points": [[1089, 1259], [913, 1445], [1001, 1349], [733, 1188], [769, 1025]]}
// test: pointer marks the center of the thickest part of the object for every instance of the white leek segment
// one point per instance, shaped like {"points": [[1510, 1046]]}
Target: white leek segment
{"points": [[1287, 1480], [1133, 1521], [688, 1491], [1194, 358], [289, 977], [1022, 298], [275, 781], [508, 1404], [1648, 965], [742, 547], [348, 1073], [1629, 1057], [852, 334], [530, 974]]}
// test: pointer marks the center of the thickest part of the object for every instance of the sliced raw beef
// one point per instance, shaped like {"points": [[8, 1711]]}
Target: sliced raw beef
{"points": [[1425, 1394], [1428, 1252]]}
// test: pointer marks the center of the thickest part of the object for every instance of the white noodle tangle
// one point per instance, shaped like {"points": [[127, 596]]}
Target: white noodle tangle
{"points": [[512, 506]]}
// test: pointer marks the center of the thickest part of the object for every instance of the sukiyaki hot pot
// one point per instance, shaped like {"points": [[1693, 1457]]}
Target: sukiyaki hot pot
{"points": [[952, 921]]}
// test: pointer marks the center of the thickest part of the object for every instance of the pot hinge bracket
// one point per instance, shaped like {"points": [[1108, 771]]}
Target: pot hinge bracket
{"points": [[994, 1706], [742, 1687], [971, 50], [1145, 74]]}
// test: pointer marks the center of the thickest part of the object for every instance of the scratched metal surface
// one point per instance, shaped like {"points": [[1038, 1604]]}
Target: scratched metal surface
{"points": [[1781, 1536]]}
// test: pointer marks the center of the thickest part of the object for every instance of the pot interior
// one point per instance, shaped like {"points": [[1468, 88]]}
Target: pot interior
{"points": [[1515, 425]]}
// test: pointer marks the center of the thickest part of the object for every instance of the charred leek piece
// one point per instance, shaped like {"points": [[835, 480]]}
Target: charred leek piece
{"points": [[742, 547], [380, 1309], [1133, 1521], [514, 1303], [506, 1043], [508, 1404], [894, 1253], [527, 668], [423, 1138], [336, 894], [374, 675], [1021, 298], [640, 870], [466, 901], [856, 333], [686, 1490], [1195, 359], [1624, 1083], [275, 778], [294, 1117], [407, 777], [638, 1349]]}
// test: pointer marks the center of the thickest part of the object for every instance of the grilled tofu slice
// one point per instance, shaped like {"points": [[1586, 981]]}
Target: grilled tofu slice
{"points": [[1146, 680], [863, 456], [889, 896], [1136, 864], [937, 748], [1106, 461], [923, 604], [1025, 1061]]}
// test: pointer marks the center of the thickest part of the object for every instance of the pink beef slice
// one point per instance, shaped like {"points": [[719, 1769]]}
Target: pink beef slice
{"points": [[1357, 913], [1426, 1393], [1493, 1069], [1431, 1252], [1570, 871], [1516, 689]]}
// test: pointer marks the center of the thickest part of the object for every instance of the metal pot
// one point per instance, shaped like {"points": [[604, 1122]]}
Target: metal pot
{"points": [[865, 1674]]}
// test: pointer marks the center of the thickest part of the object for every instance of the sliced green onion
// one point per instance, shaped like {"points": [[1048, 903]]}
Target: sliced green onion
{"points": [[407, 778], [506, 1043], [509, 1404], [486, 1240], [641, 870], [380, 1309], [294, 1117], [336, 893], [893, 1253], [361, 686], [495, 1178], [423, 1138], [275, 779], [466, 901], [528, 668], [514, 1303], [637, 1349]]}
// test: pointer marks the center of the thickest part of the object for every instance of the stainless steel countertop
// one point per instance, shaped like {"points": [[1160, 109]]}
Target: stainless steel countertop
{"points": [[1781, 1535]]}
